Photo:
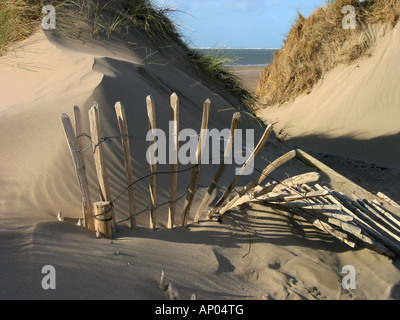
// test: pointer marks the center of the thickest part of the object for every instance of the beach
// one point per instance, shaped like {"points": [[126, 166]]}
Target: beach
{"points": [[248, 74], [259, 250]]}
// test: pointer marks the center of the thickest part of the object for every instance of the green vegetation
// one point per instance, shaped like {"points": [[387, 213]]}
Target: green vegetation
{"points": [[213, 66], [18, 20], [319, 43], [80, 19]]}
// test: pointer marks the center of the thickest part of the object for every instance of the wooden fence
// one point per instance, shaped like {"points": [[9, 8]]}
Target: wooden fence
{"points": [[354, 221], [100, 216]]}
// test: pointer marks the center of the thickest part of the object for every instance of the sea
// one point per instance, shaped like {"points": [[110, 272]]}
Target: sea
{"points": [[242, 57]]}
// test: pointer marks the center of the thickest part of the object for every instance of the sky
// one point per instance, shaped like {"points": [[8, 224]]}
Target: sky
{"points": [[237, 23]]}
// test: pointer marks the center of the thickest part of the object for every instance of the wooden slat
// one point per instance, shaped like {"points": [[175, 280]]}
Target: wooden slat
{"points": [[123, 127], [80, 172], [196, 169], [265, 173], [259, 191], [151, 113], [79, 131], [385, 212], [174, 151], [98, 153], [385, 198], [371, 227], [236, 120], [297, 196], [254, 154]]}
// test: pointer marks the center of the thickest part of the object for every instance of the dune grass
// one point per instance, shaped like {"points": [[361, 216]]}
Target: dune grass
{"points": [[213, 66], [104, 18], [18, 20], [319, 43]]}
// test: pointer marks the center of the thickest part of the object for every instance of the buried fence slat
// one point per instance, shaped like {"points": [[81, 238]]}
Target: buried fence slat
{"points": [[385, 198], [236, 120], [384, 212], [260, 192], [257, 150], [103, 218], [79, 131], [123, 127], [194, 176], [80, 172], [151, 113], [370, 227], [98, 154], [174, 151], [265, 173], [291, 197]]}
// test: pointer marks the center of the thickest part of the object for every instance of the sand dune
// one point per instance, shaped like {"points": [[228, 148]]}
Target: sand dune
{"points": [[354, 110], [258, 254]]}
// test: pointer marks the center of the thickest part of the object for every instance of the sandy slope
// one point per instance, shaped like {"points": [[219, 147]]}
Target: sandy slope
{"points": [[253, 255], [354, 111]]}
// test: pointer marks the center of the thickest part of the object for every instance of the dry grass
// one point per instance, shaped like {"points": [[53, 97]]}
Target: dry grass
{"points": [[18, 20], [319, 43], [81, 19]]}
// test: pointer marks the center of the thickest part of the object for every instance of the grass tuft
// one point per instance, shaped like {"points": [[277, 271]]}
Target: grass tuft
{"points": [[18, 20], [318, 44], [213, 66], [82, 19]]}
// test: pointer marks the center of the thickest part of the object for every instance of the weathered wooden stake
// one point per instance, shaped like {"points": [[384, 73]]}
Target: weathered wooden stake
{"points": [[79, 131], [236, 119], [80, 172], [266, 172], [151, 112], [257, 150], [123, 127], [102, 176], [103, 218], [174, 151], [194, 177]]}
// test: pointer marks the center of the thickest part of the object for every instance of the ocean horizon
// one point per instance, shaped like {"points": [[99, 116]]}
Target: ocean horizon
{"points": [[242, 57]]}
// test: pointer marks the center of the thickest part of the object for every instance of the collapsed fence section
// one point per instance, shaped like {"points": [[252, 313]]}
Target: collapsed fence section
{"points": [[100, 216], [351, 219]]}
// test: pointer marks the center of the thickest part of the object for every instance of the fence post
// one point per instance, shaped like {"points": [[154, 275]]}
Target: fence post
{"points": [[151, 112], [80, 172], [174, 151], [123, 127], [194, 177], [257, 150], [103, 218], [236, 120], [79, 131], [95, 132]]}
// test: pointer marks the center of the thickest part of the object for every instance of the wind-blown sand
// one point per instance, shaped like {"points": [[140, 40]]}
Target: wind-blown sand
{"points": [[260, 253]]}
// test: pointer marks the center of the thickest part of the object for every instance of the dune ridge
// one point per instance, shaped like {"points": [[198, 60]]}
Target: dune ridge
{"points": [[354, 110]]}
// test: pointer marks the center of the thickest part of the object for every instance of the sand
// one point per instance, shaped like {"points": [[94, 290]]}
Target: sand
{"points": [[354, 111], [249, 75], [258, 253]]}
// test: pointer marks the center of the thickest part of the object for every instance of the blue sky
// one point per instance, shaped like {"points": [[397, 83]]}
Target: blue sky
{"points": [[238, 23]]}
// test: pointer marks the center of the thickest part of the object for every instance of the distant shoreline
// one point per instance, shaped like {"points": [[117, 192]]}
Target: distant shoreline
{"points": [[248, 74], [222, 48]]}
